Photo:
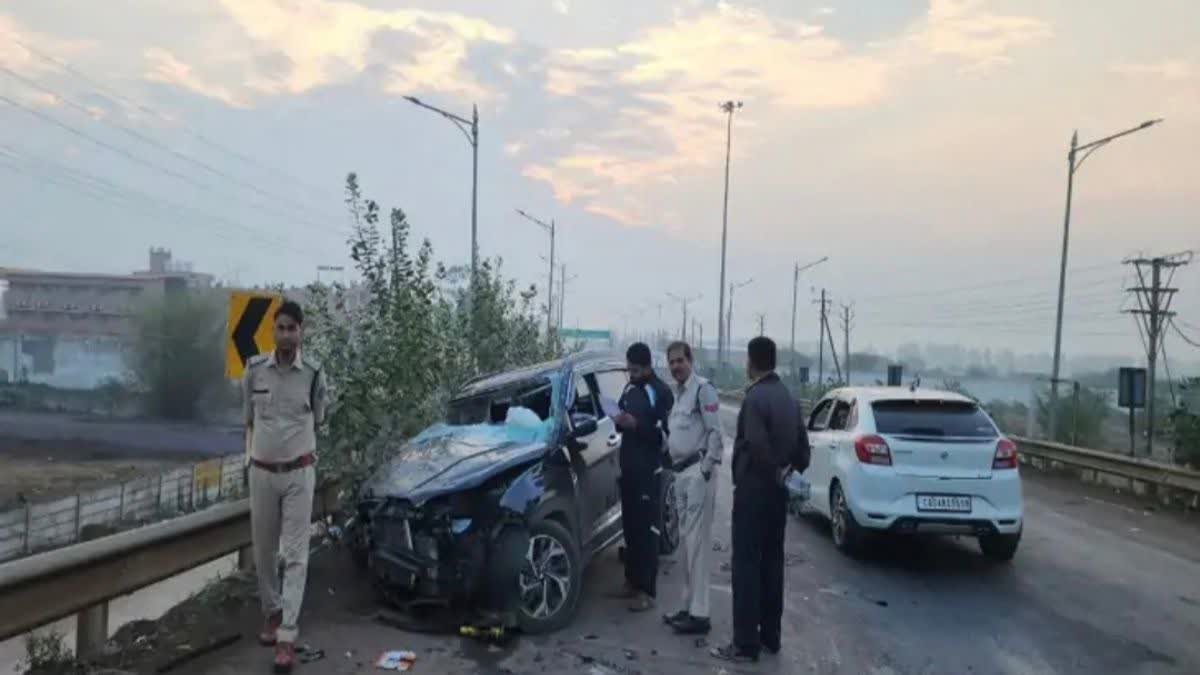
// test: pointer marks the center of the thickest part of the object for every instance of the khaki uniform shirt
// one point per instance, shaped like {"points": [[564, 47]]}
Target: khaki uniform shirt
{"points": [[695, 421], [282, 406]]}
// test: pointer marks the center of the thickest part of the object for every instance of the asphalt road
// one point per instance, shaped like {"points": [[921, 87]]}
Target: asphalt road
{"points": [[1099, 586]]}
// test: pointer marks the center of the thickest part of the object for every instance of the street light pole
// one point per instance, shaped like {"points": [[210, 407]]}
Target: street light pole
{"points": [[684, 302], [1072, 166], [729, 107], [549, 227], [470, 129], [729, 317]]}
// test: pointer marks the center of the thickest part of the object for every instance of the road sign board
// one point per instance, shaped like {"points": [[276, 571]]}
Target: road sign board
{"points": [[585, 334], [248, 330], [1131, 388]]}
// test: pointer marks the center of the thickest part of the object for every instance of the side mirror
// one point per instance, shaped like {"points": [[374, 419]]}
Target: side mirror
{"points": [[585, 425]]}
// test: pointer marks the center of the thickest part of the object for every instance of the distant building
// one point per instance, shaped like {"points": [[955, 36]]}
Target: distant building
{"points": [[67, 329]]}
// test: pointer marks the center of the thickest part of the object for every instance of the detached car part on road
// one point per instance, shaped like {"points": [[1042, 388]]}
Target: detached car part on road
{"points": [[509, 497]]}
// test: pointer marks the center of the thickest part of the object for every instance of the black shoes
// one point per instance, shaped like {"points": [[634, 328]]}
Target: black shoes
{"points": [[686, 624], [672, 619], [693, 625]]}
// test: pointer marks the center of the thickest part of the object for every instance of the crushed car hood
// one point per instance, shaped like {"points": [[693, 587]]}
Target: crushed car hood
{"points": [[446, 459]]}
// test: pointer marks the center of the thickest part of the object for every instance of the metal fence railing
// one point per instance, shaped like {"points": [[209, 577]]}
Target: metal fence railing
{"points": [[43, 526]]}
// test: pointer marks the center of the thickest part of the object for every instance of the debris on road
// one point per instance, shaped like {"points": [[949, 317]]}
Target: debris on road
{"points": [[631, 655], [701, 643], [718, 546], [308, 653], [396, 660]]}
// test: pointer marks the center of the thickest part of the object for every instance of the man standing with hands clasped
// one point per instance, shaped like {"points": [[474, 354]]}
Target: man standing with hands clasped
{"points": [[695, 451], [284, 400], [644, 406]]}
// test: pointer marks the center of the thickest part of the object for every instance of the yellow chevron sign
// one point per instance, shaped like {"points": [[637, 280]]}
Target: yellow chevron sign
{"points": [[248, 330]]}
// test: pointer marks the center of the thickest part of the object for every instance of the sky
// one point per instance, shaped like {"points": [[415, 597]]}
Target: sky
{"points": [[921, 146]]}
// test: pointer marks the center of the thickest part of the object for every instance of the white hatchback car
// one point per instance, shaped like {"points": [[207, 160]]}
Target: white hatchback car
{"points": [[910, 461]]}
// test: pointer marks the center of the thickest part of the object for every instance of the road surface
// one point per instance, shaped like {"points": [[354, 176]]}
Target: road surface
{"points": [[1099, 585]]}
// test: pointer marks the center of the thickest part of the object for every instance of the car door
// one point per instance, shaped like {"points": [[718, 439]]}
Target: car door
{"points": [[839, 439], [819, 468], [609, 385], [593, 456]]}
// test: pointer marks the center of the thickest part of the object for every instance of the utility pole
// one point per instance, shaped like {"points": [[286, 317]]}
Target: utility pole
{"points": [[549, 227], [762, 323], [847, 319], [1152, 315], [1072, 166], [797, 269], [684, 302], [729, 107], [821, 343]]}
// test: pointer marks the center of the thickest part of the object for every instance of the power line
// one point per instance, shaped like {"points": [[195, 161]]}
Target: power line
{"points": [[62, 65], [95, 186], [1183, 336], [981, 286], [143, 137], [158, 168]]}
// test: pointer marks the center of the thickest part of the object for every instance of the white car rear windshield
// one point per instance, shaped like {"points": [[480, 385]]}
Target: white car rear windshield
{"points": [[939, 419]]}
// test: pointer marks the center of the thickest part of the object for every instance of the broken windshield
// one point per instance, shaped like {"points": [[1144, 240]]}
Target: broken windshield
{"points": [[518, 410]]}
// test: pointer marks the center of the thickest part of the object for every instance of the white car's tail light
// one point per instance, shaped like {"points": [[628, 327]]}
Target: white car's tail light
{"points": [[872, 449], [1006, 455]]}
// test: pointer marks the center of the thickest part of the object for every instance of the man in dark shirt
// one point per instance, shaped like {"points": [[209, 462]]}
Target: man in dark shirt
{"points": [[766, 434], [644, 405]]}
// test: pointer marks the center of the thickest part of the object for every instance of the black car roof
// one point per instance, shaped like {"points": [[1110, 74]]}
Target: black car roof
{"points": [[585, 360]]}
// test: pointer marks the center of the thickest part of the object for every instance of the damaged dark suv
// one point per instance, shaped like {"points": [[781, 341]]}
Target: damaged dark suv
{"points": [[503, 504]]}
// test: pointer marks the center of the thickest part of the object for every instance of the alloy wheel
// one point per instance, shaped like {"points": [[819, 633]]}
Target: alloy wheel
{"points": [[545, 581]]}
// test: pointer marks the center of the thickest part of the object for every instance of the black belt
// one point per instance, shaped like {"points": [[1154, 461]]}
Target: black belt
{"points": [[284, 467], [695, 457]]}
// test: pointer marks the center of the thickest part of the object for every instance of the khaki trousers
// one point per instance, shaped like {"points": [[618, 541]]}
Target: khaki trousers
{"points": [[280, 522], [695, 500]]}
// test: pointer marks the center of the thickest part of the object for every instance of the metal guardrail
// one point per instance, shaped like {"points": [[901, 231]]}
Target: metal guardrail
{"points": [[81, 579], [1143, 470]]}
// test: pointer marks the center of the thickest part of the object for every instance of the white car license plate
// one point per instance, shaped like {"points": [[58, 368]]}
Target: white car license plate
{"points": [[950, 503]]}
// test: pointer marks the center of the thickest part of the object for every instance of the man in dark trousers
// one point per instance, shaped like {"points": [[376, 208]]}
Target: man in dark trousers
{"points": [[766, 435], [644, 405]]}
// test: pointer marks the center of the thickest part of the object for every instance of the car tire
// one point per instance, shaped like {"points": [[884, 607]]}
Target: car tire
{"points": [[1000, 547], [668, 515], [551, 561], [848, 535]]}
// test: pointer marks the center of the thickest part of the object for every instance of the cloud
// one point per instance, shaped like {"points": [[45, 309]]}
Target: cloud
{"points": [[15, 56], [164, 67], [561, 7], [672, 75], [513, 149], [978, 39], [1172, 70], [291, 47], [825, 11]]}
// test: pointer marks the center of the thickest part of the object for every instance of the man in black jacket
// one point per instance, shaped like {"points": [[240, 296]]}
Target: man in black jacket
{"points": [[766, 436], [645, 405]]}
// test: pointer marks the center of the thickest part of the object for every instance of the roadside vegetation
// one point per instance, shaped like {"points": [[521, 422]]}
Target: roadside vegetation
{"points": [[397, 344]]}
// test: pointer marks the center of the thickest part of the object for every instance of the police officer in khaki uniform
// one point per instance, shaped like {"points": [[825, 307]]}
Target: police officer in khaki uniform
{"points": [[284, 400], [695, 451]]}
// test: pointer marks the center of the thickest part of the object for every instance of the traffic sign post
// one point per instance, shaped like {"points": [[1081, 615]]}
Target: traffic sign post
{"points": [[248, 330]]}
